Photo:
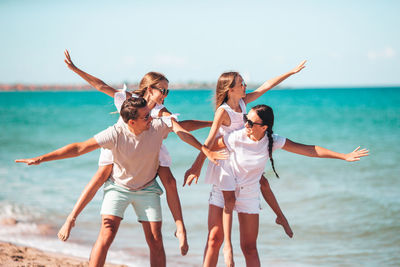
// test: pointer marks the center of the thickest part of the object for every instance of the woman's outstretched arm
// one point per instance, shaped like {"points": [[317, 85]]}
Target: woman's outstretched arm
{"points": [[68, 151], [320, 152], [93, 81], [268, 85]]}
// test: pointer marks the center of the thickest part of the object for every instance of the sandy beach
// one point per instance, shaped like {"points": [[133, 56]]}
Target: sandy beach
{"points": [[12, 255]]}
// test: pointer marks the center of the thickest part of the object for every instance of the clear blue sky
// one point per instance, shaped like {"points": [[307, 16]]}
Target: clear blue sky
{"points": [[346, 43]]}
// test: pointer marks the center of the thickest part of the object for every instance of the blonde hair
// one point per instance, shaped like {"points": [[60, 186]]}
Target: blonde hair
{"points": [[149, 80], [225, 82]]}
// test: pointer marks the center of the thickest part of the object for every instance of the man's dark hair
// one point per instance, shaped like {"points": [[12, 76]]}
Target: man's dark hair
{"points": [[129, 109]]}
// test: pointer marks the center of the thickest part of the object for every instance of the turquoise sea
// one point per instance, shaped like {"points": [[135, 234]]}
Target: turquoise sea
{"points": [[342, 214]]}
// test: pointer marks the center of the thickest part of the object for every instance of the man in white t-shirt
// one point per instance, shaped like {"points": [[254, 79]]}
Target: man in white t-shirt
{"points": [[135, 143]]}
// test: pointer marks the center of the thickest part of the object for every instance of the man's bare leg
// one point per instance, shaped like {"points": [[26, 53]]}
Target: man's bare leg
{"points": [[108, 230], [152, 232]]}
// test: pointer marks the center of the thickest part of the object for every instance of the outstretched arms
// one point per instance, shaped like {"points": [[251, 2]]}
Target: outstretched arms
{"points": [[93, 81], [192, 125], [320, 152], [188, 125], [68, 151], [268, 85], [191, 140]]}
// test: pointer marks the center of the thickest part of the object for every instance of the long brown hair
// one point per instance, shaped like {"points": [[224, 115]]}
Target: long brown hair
{"points": [[149, 80], [225, 82]]}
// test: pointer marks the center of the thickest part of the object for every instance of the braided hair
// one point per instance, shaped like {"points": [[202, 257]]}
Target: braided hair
{"points": [[266, 114]]}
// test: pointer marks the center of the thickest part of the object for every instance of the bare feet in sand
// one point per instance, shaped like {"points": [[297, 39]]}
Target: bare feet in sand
{"points": [[64, 231], [228, 255], [282, 221], [183, 244]]}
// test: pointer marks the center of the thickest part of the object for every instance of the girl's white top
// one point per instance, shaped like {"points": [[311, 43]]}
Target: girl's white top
{"points": [[247, 157], [216, 174], [106, 157]]}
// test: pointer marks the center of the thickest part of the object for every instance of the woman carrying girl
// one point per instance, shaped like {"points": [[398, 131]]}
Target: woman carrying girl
{"points": [[231, 100], [154, 88], [250, 148]]}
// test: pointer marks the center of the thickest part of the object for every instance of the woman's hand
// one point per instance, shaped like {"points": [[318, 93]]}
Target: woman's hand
{"points": [[356, 154], [68, 61], [299, 67], [31, 161], [213, 156]]}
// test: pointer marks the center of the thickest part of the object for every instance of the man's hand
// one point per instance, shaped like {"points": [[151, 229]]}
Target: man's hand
{"points": [[31, 161]]}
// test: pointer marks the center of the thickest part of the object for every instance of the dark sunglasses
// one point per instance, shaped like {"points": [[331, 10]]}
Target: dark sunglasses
{"points": [[249, 122], [163, 90]]}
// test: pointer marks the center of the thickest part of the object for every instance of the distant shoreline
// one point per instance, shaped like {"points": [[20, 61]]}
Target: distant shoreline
{"points": [[19, 87]]}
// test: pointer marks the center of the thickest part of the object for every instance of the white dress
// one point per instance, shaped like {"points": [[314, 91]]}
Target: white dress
{"points": [[216, 175], [106, 157]]}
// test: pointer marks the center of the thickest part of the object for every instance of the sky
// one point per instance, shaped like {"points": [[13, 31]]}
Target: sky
{"points": [[345, 43]]}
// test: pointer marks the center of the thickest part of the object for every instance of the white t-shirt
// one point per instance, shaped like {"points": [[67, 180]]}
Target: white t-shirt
{"points": [[248, 158], [135, 157]]}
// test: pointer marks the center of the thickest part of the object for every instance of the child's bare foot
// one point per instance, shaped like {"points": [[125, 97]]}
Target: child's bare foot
{"points": [[228, 256], [282, 221], [183, 244], [64, 231]]}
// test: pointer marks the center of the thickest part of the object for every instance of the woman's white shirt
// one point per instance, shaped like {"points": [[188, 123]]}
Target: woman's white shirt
{"points": [[248, 158]]}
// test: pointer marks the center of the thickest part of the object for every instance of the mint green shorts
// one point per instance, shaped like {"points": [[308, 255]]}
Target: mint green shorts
{"points": [[145, 202]]}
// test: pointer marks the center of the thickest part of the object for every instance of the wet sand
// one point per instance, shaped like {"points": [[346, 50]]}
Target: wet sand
{"points": [[13, 255]]}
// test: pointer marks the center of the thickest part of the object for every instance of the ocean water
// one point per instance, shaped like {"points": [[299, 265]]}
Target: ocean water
{"points": [[342, 214]]}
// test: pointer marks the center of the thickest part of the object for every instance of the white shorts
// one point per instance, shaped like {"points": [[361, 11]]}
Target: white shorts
{"points": [[247, 198], [106, 157]]}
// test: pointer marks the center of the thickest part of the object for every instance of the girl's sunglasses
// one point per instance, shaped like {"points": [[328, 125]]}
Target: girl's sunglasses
{"points": [[249, 122], [162, 90]]}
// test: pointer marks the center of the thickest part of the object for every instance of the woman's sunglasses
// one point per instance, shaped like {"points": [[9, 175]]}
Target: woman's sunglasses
{"points": [[163, 90], [249, 122]]}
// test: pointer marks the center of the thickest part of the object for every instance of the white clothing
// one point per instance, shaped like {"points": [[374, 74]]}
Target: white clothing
{"points": [[135, 157], [248, 159], [106, 157], [247, 199], [214, 172]]}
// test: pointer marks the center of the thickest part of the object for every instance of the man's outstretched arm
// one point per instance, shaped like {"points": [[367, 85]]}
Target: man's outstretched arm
{"points": [[68, 151]]}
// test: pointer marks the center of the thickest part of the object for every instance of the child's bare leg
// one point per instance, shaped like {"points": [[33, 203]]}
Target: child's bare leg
{"points": [[98, 179], [229, 198], [174, 205], [269, 197]]}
